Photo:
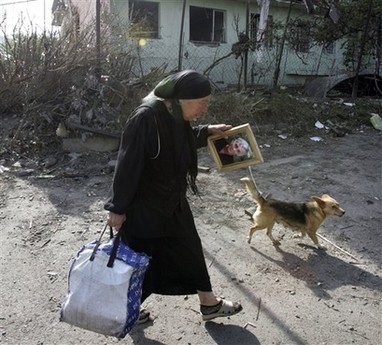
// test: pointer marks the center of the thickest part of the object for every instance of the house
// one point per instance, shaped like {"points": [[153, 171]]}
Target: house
{"points": [[211, 37]]}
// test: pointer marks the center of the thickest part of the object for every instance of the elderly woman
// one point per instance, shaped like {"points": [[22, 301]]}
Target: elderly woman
{"points": [[157, 163]]}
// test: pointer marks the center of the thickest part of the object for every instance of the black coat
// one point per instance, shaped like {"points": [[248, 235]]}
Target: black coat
{"points": [[149, 183]]}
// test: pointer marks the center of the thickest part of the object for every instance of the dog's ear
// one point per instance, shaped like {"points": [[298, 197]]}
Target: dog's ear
{"points": [[319, 201]]}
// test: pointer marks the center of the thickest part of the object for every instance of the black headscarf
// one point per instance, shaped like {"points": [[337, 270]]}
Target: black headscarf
{"points": [[186, 84]]}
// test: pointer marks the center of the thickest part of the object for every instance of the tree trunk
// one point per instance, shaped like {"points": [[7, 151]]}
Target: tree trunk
{"points": [[361, 49], [279, 58]]}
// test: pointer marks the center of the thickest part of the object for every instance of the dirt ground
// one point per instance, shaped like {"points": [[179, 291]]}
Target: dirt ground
{"points": [[292, 294]]}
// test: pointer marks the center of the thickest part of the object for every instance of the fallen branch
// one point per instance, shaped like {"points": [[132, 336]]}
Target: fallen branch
{"points": [[258, 309], [249, 324], [256, 103], [213, 259], [346, 227], [334, 245], [45, 243], [73, 125]]}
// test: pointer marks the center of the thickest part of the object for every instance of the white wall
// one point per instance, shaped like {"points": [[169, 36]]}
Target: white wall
{"points": [[165, 50]]}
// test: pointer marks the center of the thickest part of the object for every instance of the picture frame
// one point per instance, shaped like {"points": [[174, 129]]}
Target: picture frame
{"points": [[236, 149]]}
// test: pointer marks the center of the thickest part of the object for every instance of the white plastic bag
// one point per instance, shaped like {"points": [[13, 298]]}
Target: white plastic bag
{"points": [[105, 299]]}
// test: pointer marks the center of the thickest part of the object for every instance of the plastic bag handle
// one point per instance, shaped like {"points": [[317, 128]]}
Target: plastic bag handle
{"points": [[113, 253], [98, 242]]}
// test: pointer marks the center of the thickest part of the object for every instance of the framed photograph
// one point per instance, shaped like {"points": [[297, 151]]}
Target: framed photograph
{"points": [[236, 149]]}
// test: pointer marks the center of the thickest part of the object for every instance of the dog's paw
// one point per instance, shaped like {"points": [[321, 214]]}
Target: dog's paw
{"points": [[249, 240], [276, 243]]}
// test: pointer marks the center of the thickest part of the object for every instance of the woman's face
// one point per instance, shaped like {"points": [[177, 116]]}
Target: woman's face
{"points": [[192, 108]]}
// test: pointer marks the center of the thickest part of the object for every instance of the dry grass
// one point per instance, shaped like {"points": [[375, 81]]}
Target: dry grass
{"points": [[289, 112], [46, 80]]}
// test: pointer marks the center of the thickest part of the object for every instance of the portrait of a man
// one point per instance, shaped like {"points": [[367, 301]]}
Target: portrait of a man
{"points": [[237, 149], [233, 150]]}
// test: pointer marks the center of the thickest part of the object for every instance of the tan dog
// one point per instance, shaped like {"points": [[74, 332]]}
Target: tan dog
{"points": [[303, 217]]}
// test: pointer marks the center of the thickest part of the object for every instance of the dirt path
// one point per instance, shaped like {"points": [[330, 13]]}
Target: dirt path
{"points": [[293, 294]]}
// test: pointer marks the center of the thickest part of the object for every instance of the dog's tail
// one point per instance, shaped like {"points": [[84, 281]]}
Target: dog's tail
{"points": [[252, 190]]}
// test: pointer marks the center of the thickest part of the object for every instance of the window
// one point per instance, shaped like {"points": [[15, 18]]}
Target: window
{"points": [[267, 36], [299, 34], [145, 17], [207, 25], [303, 34]]}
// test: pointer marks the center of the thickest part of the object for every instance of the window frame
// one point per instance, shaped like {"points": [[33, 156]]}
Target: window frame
{"points": [[303, 39], [152, 23], [213, 26]]}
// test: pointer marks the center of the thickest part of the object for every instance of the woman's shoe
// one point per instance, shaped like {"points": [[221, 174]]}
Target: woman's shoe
{"points": [[144, 316], [222, 309]]}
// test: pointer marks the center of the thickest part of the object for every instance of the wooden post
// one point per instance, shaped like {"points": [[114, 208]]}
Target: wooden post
{"points": [[245, 70], [98, 38], [181, 37]]}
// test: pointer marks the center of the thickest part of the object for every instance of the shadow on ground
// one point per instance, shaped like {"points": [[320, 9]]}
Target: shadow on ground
{"points": [[323, 272], [230, 334]]}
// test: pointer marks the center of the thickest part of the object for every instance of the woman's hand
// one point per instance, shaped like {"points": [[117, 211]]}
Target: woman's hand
{"points": [[115, 220], [218, 129]]}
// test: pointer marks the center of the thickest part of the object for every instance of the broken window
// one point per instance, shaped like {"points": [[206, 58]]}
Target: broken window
{"points": [[299, 36], [207, 25], [267, 35], [303, 44], [145, 17]]}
